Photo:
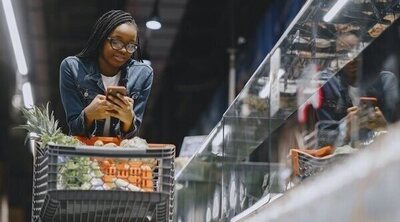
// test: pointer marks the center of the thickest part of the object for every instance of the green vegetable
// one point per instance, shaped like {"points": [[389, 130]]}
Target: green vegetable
{"points": [[78, 173]]}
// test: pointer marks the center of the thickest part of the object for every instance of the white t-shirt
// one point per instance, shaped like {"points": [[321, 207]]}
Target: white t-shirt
{"points": [[354, 93], [109, 81]]}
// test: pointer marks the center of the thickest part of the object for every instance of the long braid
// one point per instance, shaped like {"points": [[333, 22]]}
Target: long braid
{"points": [[139, 51], [102, 28]]}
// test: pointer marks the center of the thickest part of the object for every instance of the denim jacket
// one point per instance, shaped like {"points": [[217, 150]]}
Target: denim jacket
{"points": [[336, 98], [81, 82]]}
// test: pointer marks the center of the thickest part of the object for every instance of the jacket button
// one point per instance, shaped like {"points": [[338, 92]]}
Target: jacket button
{"points": [[86, 94]]}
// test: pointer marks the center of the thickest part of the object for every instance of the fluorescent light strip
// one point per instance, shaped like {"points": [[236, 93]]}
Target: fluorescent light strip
{"points": [[4, 209], [27, 95], [14, 35], [334, 10]]}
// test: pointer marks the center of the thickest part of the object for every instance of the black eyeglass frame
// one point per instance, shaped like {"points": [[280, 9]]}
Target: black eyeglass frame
{"points": [[123, 45]]}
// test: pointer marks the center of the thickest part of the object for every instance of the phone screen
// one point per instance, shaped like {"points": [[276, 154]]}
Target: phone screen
{"points": [[368, 101]]}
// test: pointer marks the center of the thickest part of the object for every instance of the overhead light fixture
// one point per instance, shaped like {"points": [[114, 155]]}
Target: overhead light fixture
{"points": [[15, 38], [334, 10], [154, 19], [27, 95]]}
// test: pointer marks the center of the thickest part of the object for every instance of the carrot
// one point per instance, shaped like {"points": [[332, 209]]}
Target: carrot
{"points": [[109, 178], [321, 152]]}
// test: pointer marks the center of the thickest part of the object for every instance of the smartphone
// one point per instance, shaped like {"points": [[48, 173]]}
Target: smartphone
{"points": [[368, 101], [367, 112], [113, 90]]}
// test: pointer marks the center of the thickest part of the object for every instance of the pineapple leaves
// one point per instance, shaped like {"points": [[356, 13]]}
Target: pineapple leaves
{"points": [[42, 125]]}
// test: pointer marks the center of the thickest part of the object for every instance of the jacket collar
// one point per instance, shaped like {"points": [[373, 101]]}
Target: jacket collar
{"points": [[94, 72]]}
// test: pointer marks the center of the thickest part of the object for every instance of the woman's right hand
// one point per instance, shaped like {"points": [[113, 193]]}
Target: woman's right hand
{"points": [[97, 109], [367, 118]]}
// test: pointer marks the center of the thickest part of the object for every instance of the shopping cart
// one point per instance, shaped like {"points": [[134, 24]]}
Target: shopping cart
{"points": [[326, 134], [305, 165], [140, 195]]}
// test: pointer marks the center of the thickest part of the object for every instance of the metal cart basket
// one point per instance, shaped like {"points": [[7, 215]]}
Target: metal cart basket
{"points": [[140, 195], [305, 165]]}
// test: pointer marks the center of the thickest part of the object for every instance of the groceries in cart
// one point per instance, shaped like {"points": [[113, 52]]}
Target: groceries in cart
{"points": [[86, 173], [135, 142], [98, 173]]}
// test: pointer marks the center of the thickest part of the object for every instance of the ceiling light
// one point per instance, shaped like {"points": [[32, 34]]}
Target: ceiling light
{"points": [[27, 95], [334, 10], [154, 20], [153, 24], [15, 38]]}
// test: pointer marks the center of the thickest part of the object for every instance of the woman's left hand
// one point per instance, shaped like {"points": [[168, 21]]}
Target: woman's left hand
{"points": [[378, 120], [122, 110]]}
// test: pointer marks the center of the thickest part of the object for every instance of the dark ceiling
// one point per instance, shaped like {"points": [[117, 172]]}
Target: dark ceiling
{"points": [[189, 54], [198, 63]]}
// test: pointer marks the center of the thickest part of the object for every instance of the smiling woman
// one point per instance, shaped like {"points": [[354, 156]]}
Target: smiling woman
{"points": [[106, 60], [118, 49]]}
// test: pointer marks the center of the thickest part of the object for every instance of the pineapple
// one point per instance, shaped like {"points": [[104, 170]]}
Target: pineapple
{"points": [[42, 125]]}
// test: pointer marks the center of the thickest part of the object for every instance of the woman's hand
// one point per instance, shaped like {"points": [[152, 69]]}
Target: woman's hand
{"points": [[352, 115], [351, 120], [122, 109], [378, 121], [366, 118], [97, 109]]}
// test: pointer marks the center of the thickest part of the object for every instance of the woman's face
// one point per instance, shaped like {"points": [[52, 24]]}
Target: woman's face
{"points": [[115, 58], [352, 70]]}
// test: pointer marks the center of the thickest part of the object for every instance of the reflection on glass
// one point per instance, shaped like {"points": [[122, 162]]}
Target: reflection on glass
{"points": [[232, 191], [216, 204], [334, 10], [284, 126], [208, 214]]}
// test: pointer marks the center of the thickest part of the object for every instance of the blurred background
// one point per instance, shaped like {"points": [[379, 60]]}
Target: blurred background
{"points": [[199, 43]]}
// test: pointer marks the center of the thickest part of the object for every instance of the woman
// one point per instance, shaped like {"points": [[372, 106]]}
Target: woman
{"points": [[106, 60]]}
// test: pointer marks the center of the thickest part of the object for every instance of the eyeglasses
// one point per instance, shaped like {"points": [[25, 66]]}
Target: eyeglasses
{"points": [[118, 45]]}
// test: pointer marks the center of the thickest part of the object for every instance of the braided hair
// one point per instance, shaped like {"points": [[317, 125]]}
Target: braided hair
{"points": [[102, 28]]}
